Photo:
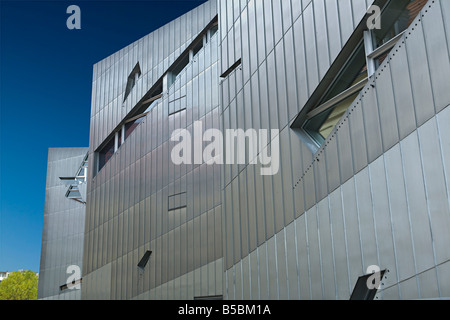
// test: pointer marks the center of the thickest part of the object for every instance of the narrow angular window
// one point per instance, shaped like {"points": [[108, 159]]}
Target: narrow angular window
{"points": [[132, 78]]}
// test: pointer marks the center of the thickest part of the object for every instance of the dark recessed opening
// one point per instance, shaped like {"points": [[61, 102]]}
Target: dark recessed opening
{"points": [[144, 260], [362, 290]]}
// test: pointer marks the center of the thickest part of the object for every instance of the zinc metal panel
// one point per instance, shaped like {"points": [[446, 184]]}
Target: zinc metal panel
{"points": [[272, 92], [417, 202], [358, 138], [277, 20], [322, 42], [309, 188], [296, 9], [311, 50], [299, 198], [281, 263], [345, 151], [359, 10], [292, 263], [282, 103], [429, 284], [443, 272], [314, 253], [443, 118], [372, 125], [300, 62], [245, 278], [339, 245], [346, 19], [333, 28], [210, 235], [365, 216], [354, 253], [258, 117], [437, 196], [234, 205], [286, 15], [438, 62], [291, 77], [229, 284], [260, 25], [272, 271], [285, 172], [254, 276], [218, 250], [263, 272], [320, 176], [386, 103], [445, 8], [278, 205], [332, 165], [402, 92], [269, 25], [204, 239], [268, 203], [197, 243], [326, 250], [244, 224], [183, 267], [399, 213], [408, 289], [260, 207]]}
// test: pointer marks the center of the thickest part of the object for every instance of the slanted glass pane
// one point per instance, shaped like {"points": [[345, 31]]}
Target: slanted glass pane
{"points": [[198, 47], [354, 72], [214, 30], [68, 181], [119, 134], [396, 18], [321, 126], [106, 154], [74, 194], [178, 69], [130, 127]]}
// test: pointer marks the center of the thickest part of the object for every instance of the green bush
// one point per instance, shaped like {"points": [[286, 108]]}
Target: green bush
{"points": [[20, 285]]}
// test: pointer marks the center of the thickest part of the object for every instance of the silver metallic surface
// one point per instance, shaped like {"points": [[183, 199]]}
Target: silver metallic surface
{"points": [[377, 191]]}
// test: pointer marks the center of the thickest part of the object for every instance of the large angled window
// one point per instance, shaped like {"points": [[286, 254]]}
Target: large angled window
{"points": [[321, 120], [369, 50]]}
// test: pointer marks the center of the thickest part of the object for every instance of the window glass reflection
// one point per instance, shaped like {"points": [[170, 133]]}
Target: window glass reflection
{"points": [[131, 126], [106, 154], [398, 17]]}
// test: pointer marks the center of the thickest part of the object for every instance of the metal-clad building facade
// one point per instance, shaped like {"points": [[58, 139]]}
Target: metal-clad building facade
{"points": [[140, 201], [63, 229], [376, 192]]}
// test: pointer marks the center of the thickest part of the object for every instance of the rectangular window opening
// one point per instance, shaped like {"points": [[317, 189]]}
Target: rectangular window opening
{"points": [[105, 154], [198, 46], [144, 260], [362, 291], [231, 69], [175, 72], [132, 78]]}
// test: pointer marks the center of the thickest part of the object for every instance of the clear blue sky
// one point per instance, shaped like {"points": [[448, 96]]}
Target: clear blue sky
{"points": [[45, 96]]}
